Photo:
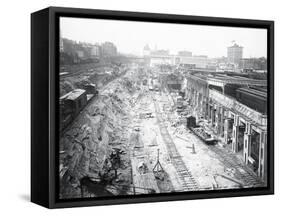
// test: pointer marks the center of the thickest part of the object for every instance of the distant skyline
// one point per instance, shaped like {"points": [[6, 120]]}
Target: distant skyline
{"points": [[131, 37]]}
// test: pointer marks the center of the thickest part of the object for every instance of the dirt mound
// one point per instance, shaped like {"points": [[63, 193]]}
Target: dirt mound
{"points": [[87, 145]]}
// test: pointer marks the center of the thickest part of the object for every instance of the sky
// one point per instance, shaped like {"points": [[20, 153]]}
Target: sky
{"points": [[131, 37]]}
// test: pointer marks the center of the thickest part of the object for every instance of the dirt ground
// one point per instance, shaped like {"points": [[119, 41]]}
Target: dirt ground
{"points": [[99, 131], [138, 124]]}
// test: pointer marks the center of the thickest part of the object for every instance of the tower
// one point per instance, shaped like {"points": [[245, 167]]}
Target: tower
{"points": [[234, 53], [146, 50]]}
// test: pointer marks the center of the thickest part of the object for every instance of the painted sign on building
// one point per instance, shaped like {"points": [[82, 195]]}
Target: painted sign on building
{"points": [[238, 107]]}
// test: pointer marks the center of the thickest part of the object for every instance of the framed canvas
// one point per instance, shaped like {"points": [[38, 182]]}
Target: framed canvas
{"points": [[132, 107]]}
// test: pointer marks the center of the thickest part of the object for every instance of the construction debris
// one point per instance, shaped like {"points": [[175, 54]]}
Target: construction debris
{"points": [[135, 139]]}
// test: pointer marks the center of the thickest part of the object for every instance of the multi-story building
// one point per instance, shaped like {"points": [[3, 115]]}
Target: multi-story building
{"points": [[160, 52], [108, 49], [80, 53], [253, 63], [146, 50], [96, 50], [234, 53], [236, 110], [185, 53], [158, 57], [198, 61]]}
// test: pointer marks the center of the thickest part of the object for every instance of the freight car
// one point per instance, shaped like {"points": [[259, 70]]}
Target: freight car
{"points": [[73, 102], [204, 135], [70, 105]]}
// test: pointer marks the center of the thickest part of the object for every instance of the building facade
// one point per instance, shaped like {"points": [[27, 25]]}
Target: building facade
{"points": [[234, 53], [96, 50], [146, 50], [185, 53], [253, 63], [163, 57], [198, 61], [108, 49], [238, 126]]}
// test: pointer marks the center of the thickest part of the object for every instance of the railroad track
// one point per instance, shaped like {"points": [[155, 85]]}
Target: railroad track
{"points": [[242, 172], [89, 103], [186, 179]]}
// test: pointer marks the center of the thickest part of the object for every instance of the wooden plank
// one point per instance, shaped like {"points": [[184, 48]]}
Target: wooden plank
{"points": [[143, 181]]}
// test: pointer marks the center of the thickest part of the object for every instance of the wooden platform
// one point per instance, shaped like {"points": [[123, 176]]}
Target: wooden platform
{"points": [[145, 182]]}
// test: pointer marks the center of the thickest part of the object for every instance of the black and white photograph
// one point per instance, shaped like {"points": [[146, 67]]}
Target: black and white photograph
{"points": [[159, 108], [140, 108]]}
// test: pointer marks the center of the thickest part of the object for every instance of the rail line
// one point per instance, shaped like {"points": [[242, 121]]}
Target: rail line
{"points": [[89, 103], [186, 179], [242, 172]]}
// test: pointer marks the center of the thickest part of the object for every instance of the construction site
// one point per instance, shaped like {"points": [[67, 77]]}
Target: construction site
{"points": [[135, 132]]}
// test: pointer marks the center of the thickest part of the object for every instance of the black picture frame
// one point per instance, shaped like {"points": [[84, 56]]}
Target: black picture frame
{"points": [[44, 105]]}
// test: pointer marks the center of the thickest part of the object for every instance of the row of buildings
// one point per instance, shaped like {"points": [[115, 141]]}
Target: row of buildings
{"points": [[235, 108], [158, 57], [82, 50], [233, 62]]}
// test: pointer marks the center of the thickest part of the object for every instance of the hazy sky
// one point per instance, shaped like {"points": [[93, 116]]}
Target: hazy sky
{"points": [[131, 37]]}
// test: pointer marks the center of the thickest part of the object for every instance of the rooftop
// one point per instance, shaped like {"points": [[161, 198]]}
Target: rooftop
{"points": [[91, 84], [235, 45], [252, 91], [224, 79], [73, 95]]}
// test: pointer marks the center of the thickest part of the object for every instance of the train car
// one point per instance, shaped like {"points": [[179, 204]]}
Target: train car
{"points": [[66, 115], [70, 106], [73, 102], [204, 135]]}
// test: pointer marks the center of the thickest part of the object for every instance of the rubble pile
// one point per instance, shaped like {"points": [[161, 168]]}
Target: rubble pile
{"points": [[100, 131]]}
